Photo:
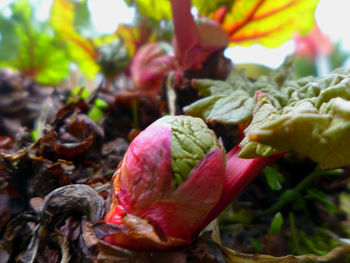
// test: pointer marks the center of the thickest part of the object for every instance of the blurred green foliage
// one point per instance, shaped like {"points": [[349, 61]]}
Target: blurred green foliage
{"points": [[30, 46]]}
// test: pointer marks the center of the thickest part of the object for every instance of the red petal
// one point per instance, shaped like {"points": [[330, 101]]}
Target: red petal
{"points": [[189, 205], [146, 174]]}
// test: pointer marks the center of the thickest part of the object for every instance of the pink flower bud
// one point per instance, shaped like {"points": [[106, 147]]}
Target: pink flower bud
{"points": [[169, 180]]}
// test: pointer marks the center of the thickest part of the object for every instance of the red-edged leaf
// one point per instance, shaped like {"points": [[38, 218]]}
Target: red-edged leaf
{"points": [[80, 49], [267, 22]]}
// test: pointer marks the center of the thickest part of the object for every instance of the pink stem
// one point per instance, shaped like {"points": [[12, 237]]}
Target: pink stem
{"points": [[239, 173], [186, 35]]}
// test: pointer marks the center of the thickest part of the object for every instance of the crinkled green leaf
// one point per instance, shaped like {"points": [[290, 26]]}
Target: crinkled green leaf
{"points": [[232, 101], [235, 108], [315, 122], [191, 141], [226, 101]]}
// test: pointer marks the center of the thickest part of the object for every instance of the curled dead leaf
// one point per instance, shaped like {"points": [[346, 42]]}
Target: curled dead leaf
{"points": [[71, 199]]}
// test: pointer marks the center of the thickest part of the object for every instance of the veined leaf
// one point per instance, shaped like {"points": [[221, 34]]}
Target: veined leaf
{"points": [[53, 64], [32, 49], [40, 57], [80, 49], [266, 22]]}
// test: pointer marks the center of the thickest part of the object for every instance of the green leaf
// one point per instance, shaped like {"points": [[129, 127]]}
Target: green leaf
{"points": [[56, 64], [274, 178], [80, 49], [9, 40], [227, 102], [100, 103], [233, 101], [276, 224], [35, 134], [95, 114], [29, 47], [22, 11], [80, 92]]}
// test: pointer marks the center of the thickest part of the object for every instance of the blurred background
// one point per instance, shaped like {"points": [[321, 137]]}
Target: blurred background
{"points": [[331, 40]]}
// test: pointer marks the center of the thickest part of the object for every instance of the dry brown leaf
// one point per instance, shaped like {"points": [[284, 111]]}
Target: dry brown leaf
{"points": [[337, 255]]}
